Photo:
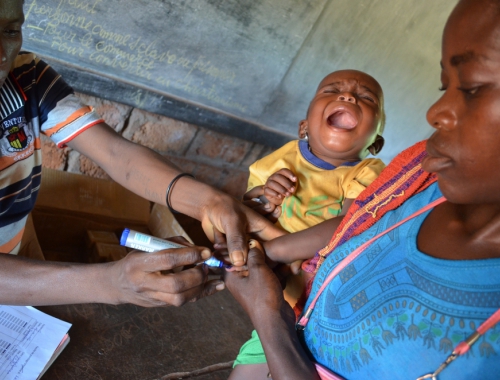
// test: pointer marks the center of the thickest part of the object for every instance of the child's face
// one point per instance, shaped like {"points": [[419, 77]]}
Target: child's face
{"points": [[464, 150], [344, 116], [11, 20]]}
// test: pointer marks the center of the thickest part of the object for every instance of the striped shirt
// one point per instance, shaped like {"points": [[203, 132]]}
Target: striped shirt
{"points": [[33, 99]]}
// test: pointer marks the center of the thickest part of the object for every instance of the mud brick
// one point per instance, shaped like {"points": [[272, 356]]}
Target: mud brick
{"points": [[217, 146], [235, 183], [159, 133], [52, 156], [114, 114], [94, 237], [105, 252]]}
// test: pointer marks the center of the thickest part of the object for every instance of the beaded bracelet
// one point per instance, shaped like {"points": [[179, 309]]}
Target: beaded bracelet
{"points": [[169, 190]]}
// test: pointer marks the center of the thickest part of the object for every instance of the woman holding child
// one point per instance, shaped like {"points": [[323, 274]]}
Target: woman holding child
{"points": [[414, 295]]}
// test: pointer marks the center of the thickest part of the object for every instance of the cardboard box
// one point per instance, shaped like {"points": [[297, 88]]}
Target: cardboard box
{"points": [[81, 195], [70, 204], [163, 224]]}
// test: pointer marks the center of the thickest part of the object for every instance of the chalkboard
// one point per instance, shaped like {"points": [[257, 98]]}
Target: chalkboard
{"points": [[248, 68], [218, 60]]}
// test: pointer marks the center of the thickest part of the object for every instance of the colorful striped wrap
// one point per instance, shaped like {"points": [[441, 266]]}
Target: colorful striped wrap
{"points": [[398, 182]]}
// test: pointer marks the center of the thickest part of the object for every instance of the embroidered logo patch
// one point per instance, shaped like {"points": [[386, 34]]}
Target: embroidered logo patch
{"points": [[16, 135]]}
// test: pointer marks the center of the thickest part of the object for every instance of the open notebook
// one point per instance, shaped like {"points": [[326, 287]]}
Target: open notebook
{"points": [[30, 341]]}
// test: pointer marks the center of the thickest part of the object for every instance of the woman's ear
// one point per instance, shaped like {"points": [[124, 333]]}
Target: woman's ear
{"points": [[377, 145], [303, 129]]}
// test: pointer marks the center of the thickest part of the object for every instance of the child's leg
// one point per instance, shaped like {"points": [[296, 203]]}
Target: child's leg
{"points": [[251, 361], [294, 288], [250, 372]]}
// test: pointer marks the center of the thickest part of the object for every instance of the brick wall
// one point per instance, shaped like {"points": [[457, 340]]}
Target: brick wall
{"points": [[217, 159]]}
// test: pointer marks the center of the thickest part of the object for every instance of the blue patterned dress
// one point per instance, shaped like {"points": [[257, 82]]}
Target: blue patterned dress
{"points": [[396, 313]]}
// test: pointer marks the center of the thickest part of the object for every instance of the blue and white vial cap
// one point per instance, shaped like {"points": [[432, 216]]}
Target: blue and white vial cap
{"points": [[123, 239], [213, 262]]}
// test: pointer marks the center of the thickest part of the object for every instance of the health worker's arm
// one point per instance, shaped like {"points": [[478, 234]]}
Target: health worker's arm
{"points": [[148, 174], [134, 279]]}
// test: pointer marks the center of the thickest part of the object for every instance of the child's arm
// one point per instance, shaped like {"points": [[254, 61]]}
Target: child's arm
{"points": [[301, 245], [345, 206]]}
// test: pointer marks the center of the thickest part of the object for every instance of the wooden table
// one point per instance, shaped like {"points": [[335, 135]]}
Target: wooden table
{"points": [[130, 342]]}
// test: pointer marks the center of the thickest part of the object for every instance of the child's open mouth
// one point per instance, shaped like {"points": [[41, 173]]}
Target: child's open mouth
{"points": [[342, 119]]}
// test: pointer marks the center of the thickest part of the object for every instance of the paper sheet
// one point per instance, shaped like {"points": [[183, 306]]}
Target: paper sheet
{"points": [[28, 338]]}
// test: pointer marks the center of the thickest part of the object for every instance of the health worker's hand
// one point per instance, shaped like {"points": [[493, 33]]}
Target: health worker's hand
{"points": [[138, 277], [237, 222]]}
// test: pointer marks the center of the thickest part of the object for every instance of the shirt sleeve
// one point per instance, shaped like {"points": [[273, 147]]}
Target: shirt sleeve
{"points": [[363, 178], [68, 119], [62, 115], [262, 169]]}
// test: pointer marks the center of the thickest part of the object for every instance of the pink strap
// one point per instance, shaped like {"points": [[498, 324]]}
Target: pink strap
{"points": [[354, 254], [325, 374], [489, 323], [464, 346], [461, 348]]}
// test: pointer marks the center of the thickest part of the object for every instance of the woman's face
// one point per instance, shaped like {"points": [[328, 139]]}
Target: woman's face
{"points": [[464, 150]]}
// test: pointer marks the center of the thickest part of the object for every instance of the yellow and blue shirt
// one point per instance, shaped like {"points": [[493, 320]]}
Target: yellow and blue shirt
{"points": [[34, 99], [321, 186]]}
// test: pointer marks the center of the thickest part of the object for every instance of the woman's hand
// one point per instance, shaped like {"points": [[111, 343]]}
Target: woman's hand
{"points": [[258, 290]]}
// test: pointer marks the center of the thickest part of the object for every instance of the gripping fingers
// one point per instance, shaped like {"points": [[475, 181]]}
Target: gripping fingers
{"points": [[288, 174], [235, 227], [255, 254], [273, 196], [178, 288], [281, 190], [211, 287], [174, 258], [283, 181]]}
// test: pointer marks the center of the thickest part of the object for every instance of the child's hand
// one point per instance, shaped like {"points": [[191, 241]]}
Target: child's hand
{"points": [[264, 207], [280, 185]]}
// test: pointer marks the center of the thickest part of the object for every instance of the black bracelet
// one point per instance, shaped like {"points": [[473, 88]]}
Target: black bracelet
{"points": [[169, 190]]}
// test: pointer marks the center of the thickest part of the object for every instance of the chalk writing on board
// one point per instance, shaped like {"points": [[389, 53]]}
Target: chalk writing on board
{"points": [[77, 31]]}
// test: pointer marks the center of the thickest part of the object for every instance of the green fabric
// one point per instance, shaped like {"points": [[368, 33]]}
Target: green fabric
{"points": [[251, 352]]}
